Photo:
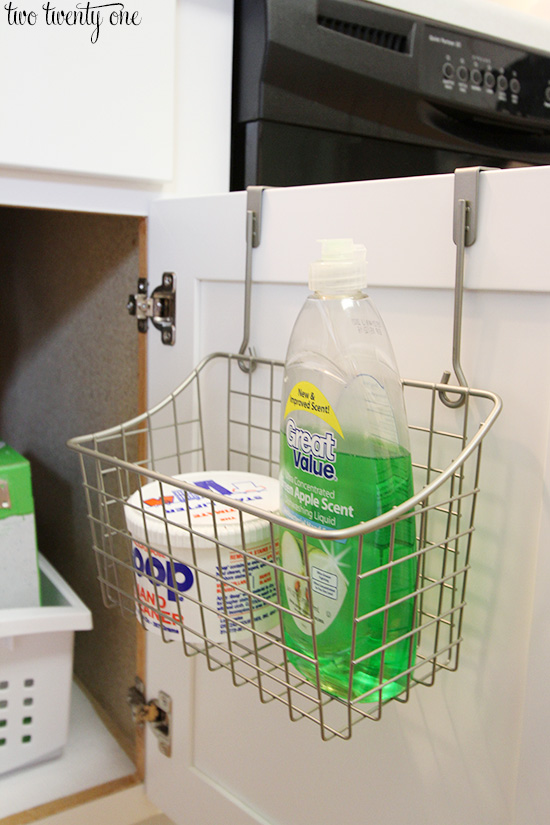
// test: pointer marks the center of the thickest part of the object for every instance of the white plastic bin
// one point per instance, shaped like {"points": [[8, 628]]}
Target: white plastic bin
{"points": [[36, 664]]}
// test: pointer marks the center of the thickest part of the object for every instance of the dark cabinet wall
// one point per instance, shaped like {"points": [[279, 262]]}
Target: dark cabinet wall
{"points": [[69, 366]]}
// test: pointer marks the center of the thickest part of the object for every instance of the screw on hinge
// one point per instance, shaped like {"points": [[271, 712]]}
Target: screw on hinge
{"points": [[157, 712]]}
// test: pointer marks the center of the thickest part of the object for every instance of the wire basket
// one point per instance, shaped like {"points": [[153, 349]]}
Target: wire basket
{"points": [[226, 417]]}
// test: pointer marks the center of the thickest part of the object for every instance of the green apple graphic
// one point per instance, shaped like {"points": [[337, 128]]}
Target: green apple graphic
{"points": [[328, 582]]}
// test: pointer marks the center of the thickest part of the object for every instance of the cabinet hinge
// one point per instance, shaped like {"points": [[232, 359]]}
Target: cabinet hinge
{"points": [[160, 307], [157, 712]]}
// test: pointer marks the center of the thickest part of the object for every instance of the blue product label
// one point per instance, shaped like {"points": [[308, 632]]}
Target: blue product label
{"points": [[159, 583]]}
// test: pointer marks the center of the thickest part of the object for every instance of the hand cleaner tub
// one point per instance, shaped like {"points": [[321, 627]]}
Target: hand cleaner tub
{"points": [[184, 557], [345, 459]]}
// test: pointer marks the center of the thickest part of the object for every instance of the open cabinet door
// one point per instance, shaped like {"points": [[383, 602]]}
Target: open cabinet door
{"points": [[451, 753]]}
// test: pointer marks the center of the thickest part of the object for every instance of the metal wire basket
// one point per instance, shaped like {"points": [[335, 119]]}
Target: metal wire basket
{"points": [[225, 417]]}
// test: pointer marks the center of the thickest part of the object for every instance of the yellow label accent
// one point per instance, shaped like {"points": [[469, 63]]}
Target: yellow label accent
{"points": [[306, 396]]}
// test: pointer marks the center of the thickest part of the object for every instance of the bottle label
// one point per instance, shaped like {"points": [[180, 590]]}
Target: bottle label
{"points": [[324, 483], [306, 396], [328, 582], [309, 493]]}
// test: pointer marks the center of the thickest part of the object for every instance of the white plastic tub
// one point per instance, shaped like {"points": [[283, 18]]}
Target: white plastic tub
{"points": [[206, 540], [36, 663]]}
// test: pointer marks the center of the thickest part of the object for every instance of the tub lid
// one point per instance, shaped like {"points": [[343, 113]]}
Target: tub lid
{"points": [[251, 488]]}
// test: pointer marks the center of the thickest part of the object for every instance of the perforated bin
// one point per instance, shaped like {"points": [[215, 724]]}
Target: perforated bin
{"points": [[36, 665], [226, 417]]}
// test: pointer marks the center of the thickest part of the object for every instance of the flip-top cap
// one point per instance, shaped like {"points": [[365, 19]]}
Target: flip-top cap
{"points": [[341, 269]]}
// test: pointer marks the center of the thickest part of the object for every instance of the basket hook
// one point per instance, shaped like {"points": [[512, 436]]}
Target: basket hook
{"points": [[465, 214], [253, 238]]}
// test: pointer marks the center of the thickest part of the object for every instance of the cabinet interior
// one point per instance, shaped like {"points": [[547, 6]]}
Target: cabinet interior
{"points": [[71, 365]]}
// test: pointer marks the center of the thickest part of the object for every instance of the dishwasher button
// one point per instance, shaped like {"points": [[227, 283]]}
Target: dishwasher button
{"points": [[502, 83], [448, 71], [476, 77]]}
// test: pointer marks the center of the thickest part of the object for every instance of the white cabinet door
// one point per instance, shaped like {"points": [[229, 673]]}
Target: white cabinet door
{"points": [[145, 112], [452, 753], [88, 88]]}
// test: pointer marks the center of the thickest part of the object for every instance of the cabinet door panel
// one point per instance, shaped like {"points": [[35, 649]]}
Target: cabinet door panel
{"points": [[452, 753], [93, 97]]}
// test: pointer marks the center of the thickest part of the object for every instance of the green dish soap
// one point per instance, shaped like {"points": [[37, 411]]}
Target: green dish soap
{"points": [[345, 458]]}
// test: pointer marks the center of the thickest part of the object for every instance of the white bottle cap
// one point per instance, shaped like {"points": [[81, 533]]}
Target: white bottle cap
{"points": [[342, 268]]}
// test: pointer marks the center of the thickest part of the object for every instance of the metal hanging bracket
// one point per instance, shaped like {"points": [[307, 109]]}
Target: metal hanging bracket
{"points": [[253, 238], [157, 712], [466, 189], [465, 214], [254, 202], [160, 308]]}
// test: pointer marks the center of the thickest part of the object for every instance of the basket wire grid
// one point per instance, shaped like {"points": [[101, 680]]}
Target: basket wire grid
{"points": [[184, 433]]}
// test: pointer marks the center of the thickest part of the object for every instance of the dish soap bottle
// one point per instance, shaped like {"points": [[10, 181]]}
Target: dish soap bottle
{"points": [[345, 459]]}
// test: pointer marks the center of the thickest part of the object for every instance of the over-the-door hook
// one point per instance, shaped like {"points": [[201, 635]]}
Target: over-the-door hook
{"points": [[253, 238], [464, 234]]}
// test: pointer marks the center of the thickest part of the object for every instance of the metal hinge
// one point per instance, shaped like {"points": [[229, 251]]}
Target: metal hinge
{"points": [[157, 712], [160, 307]]}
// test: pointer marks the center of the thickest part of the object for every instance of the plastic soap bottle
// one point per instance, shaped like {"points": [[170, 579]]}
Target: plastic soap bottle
{"points": [[345, 459]]}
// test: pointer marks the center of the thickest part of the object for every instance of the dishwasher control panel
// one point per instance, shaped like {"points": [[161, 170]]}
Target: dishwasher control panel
{"points": [[467, 70]]}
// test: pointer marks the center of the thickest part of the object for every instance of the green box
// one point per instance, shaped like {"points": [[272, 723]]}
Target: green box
{"points": [[19, 575]]}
